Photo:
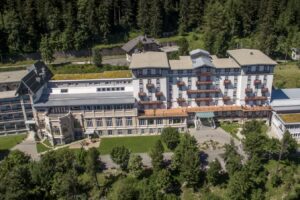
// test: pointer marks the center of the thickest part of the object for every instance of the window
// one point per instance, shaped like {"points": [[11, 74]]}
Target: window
{"points": [[257, 68], [89, 122], [148, 71], [119, 121], [157, 81], [120, 132], [141, 81], [151, 130], [129, 132], [157, 71], [159, 130], [142, 122], [64, 91], [142, 131], [150, 121], [99, 122], [108, 121], [128, 121], [109, 132], [159, 121]]}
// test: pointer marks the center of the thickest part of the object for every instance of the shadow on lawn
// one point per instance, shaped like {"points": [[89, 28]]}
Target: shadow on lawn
{"points": [[3, 153]]}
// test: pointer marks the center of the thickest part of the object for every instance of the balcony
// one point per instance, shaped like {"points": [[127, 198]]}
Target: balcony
{"points": [[203, 99], [226, 98], [150, 102], [256, 98], [180, 83], [226, 82], [203, 91], [159, 94], [264, 90], [204, 82], [142, 94], [150, 85], [257, 82], [180, 100], [205, 74], [248, 90]]}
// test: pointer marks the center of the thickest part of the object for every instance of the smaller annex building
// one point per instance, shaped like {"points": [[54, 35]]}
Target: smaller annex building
{"points": [[286, 112]]}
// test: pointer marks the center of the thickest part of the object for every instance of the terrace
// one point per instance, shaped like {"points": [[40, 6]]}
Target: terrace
{"points": [[103, 75], [290, 118]]}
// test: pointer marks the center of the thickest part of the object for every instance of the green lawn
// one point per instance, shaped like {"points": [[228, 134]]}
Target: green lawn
{"points": [[41, 147], [287, 75], [231, 128], [8, 142], [136, 144]]}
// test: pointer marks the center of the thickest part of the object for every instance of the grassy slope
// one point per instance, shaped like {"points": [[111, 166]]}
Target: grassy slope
{"points": [[136, 144], [287, 75], [8, 142], [41, 147]]}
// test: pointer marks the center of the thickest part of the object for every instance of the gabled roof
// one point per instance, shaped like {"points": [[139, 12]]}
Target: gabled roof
{"points": [[224, 62], [149, 59], [250, 57], [286, 99], [184, 62], [134, 42], [37, 76]]}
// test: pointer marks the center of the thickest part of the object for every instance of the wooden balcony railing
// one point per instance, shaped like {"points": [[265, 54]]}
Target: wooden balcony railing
{"points": [[204, 82], [226, 81], [180, 100], [159, 94], [205, 74], [150, 102], [226, 98], [142, 94], [180, 83], [257, 82], [256, 98], [264, 90], [203, 91], [203, 99], [248, 90], [150, 85]]}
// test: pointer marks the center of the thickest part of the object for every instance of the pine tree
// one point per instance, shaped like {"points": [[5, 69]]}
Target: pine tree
{"points": [[156, 18], [195, 13], [143, 17], [183, 16], [156, 154]]}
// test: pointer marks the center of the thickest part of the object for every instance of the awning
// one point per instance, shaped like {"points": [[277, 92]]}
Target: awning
{"points": [[205, 114]]}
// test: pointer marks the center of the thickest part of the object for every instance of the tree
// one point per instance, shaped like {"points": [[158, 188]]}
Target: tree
{"points": [[92, 163], [239, 186], [97, 56], [47, 49], [164, 180], [120, 155], [183, 47], [143, 16], [232, 159], [156, 154], [135, 165], [156, 18], [214, 172], [171, 137], [195, 13], [183, 16], [190, 167], [125, 189]]}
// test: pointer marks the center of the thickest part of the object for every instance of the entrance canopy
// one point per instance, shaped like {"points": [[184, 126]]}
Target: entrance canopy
{"points": [[205, 115]]}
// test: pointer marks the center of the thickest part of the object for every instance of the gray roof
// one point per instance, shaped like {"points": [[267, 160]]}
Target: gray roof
{"points": [[134, 42], [49, 100], [149, 59], [199, 52], [286, 99], [250, 57], [202, 61], [224, 62], [13, 76]]}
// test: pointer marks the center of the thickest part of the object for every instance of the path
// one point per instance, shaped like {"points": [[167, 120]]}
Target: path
{"points": [[109, 164], [207, 134], [28, 146]]}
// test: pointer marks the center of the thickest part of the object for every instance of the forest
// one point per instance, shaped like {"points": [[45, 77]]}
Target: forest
{"points": [[268, 170], [270, 25]]}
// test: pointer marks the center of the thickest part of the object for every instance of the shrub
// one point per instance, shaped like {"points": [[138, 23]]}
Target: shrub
{"points": [[120, 155], [97, 57], [171, 137]]}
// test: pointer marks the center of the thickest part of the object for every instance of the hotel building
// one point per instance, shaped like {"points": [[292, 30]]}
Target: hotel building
{"points": [[192, 90]]}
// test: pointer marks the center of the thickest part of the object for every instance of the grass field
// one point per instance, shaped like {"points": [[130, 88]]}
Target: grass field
{"points": [[136, 144], [287, 75], [231, 128], [8, 142], [41, 147], [106, 74]]}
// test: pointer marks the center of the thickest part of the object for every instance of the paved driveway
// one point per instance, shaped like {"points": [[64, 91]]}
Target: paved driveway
{"points": [[213, 140], [28, 146]]}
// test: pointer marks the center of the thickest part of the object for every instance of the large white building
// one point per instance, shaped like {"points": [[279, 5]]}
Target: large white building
{"points": [[189, 91]]}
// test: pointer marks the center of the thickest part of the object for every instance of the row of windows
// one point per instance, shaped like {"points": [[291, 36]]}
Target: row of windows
{"points": [[89, 83], [144, 122], [91, 108], [99, 122], [110, 89]]}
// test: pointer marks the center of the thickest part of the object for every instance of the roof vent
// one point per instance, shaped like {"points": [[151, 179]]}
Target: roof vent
{"points": [[251, 53]]}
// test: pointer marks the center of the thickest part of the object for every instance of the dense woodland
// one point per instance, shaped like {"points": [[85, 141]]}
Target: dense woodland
{"points": [[269, 170], [271, 25]]}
